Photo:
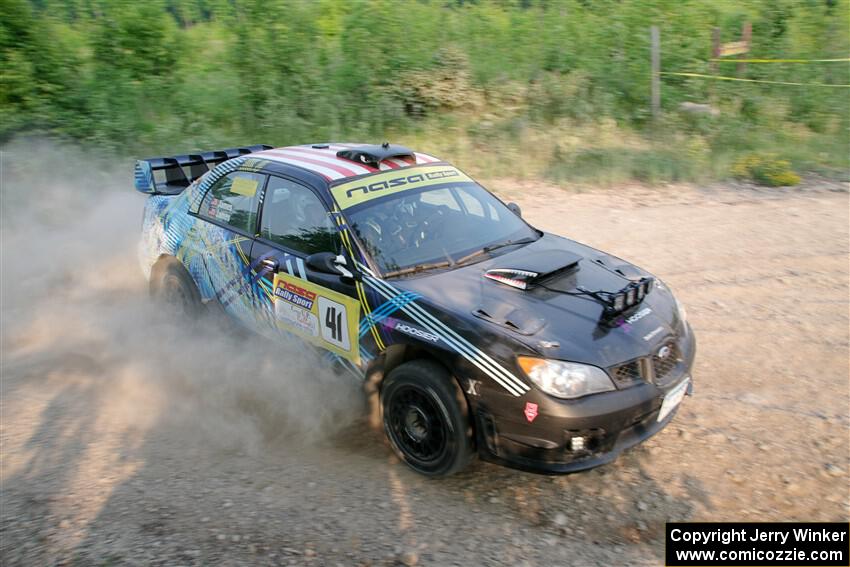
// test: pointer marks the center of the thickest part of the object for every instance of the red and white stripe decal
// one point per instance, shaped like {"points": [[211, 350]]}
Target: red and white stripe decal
{"points": [[325, 162], [425, 158], [327, 172], [327, 159], [330, 154]]}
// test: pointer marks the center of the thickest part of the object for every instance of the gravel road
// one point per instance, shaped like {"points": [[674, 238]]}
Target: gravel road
{"points": [[126, 440]]}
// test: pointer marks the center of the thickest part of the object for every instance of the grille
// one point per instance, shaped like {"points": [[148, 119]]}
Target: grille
{"points": [[627, 373], [664, 367]]}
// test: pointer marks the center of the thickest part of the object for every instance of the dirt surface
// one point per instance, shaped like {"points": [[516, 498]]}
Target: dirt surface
{"points": [[125, 442]]}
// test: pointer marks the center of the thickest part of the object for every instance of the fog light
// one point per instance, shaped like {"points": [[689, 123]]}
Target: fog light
{"points": [[577, 444]]}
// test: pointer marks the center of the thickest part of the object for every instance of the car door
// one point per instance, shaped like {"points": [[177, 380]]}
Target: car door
{"points": [[319, 307], [229, 213]]}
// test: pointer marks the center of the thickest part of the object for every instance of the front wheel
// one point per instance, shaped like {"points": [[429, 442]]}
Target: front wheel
{"points": [[426, 418]]}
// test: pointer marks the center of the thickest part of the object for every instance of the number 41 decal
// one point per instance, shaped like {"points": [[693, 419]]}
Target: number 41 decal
{"points": [[334, 327], [322, 316]]}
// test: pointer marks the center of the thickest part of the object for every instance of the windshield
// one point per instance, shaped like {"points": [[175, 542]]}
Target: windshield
{"points": [[435, 227]]}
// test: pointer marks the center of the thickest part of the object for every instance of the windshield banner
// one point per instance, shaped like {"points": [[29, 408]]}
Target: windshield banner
{"points": [[394, 181]]}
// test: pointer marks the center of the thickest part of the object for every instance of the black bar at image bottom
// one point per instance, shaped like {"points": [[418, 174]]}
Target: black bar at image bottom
{"points": [[746, 544]]}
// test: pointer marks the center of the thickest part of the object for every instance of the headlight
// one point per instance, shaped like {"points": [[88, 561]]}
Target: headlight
{"points": [[565, 379], [680, 311]]}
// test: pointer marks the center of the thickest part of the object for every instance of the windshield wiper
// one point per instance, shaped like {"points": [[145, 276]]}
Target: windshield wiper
{"points": [[419, 268], [491, 247], [447, 263], [526, 240]]}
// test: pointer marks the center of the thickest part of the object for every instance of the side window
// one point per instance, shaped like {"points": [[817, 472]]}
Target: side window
{"points": [[293, 216], [234, 200]]}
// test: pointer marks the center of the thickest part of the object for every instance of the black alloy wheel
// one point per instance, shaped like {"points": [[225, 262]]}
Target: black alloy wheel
{"points": [[426, 418]]}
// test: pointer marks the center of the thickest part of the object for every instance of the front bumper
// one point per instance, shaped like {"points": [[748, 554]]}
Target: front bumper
{"points": [[610, 423], [610, 436]]}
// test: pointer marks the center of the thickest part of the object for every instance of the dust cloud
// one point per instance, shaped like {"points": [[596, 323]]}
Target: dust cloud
{"points": [[75, 309]]}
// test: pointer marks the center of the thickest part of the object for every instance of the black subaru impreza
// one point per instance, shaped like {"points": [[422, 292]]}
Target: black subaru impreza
{"points": [[475, 331]]}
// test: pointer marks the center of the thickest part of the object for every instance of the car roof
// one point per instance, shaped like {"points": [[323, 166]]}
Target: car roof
{"points": [[323, 160]]}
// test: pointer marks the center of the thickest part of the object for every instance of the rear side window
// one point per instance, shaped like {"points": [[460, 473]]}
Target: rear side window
{"points": [[234, 200], [294, 217]]}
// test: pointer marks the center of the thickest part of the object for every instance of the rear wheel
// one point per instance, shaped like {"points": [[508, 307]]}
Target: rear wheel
{"points": [[173, 288], [426, 418]]}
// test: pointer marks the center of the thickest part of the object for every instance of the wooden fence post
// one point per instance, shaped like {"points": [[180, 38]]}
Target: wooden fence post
{"points": [[715, 54], [746, 38]]}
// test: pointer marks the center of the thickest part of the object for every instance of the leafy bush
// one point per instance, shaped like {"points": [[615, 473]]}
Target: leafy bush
{"points": [[445, 87], [765, 170]]}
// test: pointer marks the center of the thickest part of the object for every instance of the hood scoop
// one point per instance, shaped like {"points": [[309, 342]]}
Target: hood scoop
{"points": [[519, 279], [524, 271], [509, 317]]}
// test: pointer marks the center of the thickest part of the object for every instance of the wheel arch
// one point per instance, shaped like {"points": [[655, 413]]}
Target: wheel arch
{"points": [[394, 356], [397, 354]]}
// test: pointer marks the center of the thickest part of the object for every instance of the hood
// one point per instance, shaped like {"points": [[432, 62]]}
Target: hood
{"points": [[547, 317]]}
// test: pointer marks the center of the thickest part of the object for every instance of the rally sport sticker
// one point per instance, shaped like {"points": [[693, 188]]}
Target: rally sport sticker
{"points": [[320, 315]]}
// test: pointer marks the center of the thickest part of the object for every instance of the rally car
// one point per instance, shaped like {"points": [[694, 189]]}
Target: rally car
{"points": [[477, 332]]}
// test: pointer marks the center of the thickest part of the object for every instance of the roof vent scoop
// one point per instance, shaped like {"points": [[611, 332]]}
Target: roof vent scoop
{"points": [[374, 155]]}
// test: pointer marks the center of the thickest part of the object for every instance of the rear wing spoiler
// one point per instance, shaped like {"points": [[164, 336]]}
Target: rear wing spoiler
{"points": [[170, 175]]}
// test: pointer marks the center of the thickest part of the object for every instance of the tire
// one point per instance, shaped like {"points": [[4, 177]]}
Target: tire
{"points": [[426, 418], [173, 289]]}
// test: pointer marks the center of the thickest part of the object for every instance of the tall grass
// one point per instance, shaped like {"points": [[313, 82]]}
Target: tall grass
{"points": [[521, 88]]}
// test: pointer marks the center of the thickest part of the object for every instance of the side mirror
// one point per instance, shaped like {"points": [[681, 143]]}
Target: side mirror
{"points": [[329, 263], [515, 209]]}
